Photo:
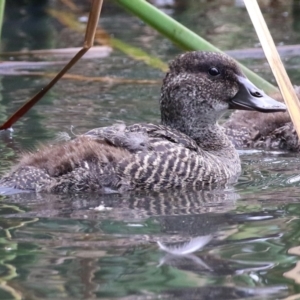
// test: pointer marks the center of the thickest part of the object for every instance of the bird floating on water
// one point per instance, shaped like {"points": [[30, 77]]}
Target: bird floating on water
{"points": [[188, 148], [274, 131]]}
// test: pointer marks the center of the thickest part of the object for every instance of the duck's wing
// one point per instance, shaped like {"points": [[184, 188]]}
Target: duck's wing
{"points": [[172, 159], [159, 133], [140, 137], [103, 132], [118, 136]]}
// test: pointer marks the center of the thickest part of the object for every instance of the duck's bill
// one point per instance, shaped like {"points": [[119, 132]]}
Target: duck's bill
{"points": [[249, 97]]}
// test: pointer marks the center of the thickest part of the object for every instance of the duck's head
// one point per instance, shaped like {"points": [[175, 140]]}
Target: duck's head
{"points": [[201, 86]]}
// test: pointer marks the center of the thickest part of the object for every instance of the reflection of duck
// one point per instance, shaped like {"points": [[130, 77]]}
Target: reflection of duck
{"points": [[189, 148], [273, 131]]}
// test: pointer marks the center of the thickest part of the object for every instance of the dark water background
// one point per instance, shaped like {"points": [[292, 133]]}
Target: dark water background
{"points": [[60, 247]]}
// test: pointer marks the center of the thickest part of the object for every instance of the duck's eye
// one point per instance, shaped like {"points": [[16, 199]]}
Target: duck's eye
{"points": [[214, 71]]}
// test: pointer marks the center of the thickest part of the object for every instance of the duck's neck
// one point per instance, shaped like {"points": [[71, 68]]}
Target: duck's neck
{"points": [[209, 137]]}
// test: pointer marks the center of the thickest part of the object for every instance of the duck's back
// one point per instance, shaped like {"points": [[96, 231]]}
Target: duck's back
{"points": [[82, 164]]}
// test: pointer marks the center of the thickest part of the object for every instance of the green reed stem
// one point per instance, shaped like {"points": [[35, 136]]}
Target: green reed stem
{"points": [[182, 36], [2, 7]]}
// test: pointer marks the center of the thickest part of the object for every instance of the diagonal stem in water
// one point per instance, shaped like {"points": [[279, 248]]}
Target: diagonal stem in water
{"points": [[88, 43]]}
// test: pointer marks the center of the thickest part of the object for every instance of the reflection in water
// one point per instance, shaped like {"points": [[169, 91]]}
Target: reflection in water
{"points": [[129, 206], [111, 245], [187, 248], [227, 293], [75, 250]]}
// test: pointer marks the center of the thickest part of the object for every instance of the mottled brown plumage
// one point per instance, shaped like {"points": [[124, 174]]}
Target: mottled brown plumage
{"points": [[274, 131], [187, 149]]}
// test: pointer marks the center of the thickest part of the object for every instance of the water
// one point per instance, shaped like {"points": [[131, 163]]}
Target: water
{"points": [[90, 246]]}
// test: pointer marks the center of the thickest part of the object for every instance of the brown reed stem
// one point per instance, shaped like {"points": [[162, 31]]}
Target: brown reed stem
{"points": [[88, 43]]}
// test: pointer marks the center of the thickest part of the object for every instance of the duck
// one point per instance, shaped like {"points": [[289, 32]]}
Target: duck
{"points": [[274, 131], [187, 149]]}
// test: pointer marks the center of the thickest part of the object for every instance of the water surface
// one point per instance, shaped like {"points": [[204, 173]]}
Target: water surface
{"points": [[104, 247]]}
